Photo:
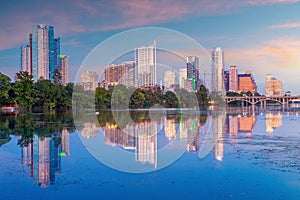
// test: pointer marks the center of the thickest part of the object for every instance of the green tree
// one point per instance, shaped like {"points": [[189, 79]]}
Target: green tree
{"points": [[120, 97], [102, 98], [45, 93], [5, 87], [202, 96], [82, 98], [24, 89], [171, 100], [137, 99], [186, 99]]}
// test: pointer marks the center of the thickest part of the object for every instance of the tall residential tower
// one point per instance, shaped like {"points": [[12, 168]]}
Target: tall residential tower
{"points": [[40, 57], [217, 83], [145, 60]]}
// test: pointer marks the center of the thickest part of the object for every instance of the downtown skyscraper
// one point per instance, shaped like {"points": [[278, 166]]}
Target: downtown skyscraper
{"points": [[41, 56], [217, 83], [145, 60], [193, 71]]}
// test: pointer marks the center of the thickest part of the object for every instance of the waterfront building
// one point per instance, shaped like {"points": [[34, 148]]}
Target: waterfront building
{"points": [[26, 58], [169, 78], [273, 86], [89, 80], [120, 74], [247, 83], [233, 79], [145, 60], [217, 84], [182, 78], [63, 69], [193, 70], [226, 80], [40, 57]]}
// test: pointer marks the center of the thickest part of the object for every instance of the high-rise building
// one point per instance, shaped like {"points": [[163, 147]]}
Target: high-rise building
{"points": [[89, 80], [40, 52], [145, 60], [182, 77], [226, 80], [247, 82], [63, 69], [273, 86], [26, 58], [169, 78], [40, 57], [192, 67], [120, 74], [233, 79], [217, 70]]}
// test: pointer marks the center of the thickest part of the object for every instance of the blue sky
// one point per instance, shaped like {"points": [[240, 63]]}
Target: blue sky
{"points": [[261, 35]]}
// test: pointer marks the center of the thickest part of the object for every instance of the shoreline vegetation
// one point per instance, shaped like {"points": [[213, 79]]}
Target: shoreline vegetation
{"points": [[49, 95]]}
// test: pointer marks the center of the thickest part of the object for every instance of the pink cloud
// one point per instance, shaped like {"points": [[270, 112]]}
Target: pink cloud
{"points": [[85, 16]]}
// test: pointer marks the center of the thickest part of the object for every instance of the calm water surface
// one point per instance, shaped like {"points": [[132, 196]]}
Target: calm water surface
{"points": [[230, 154]]}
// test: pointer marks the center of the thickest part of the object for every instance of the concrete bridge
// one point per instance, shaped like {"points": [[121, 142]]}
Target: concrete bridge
{"points": [[262, 100]]}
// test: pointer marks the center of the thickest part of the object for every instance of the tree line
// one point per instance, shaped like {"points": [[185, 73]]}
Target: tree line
{"points": [[48, 94], [44, 94]]}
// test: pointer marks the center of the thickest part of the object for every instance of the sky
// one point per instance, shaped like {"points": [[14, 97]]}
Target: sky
{"points": [[258, 35]]}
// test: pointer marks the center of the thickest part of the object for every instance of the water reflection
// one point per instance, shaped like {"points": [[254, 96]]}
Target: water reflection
{"points": [[44, 138], [273, 120]]}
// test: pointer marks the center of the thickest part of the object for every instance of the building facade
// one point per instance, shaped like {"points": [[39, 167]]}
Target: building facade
{"points": [[26, 59], [145, 60], [120, 74], [169, 78], [193, 71], [63, 68], [40, 57], [89, 80], [182, 77], [217, 84], [273, 86], [247, 83], [233, 79], [226, 80]]}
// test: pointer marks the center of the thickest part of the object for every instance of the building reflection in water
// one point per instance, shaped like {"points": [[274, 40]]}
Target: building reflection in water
{"points": [[141, 136], [273, 120], [246, 124], [89, 130], [43, 156], [193, 137], [218, 128], [170, 129], [240, 123]]}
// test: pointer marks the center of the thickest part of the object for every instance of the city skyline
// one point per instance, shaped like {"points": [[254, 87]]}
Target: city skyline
{"points": [[265, 42]]}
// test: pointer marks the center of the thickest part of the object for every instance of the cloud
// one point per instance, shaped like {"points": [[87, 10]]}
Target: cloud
{"points": [[76, 16], [279, 57], [266, 2], [279, 54], [286, 25]]}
